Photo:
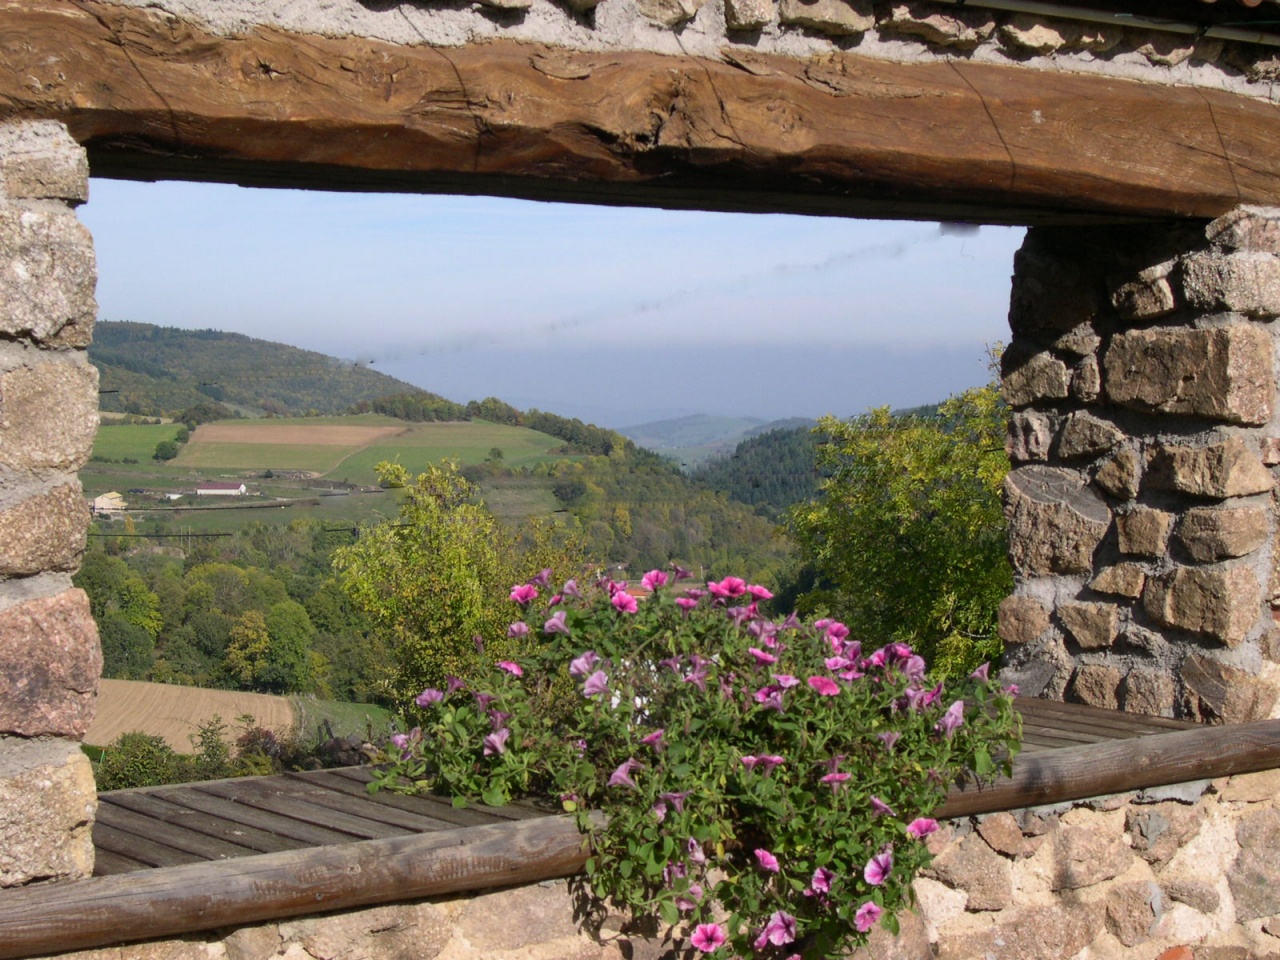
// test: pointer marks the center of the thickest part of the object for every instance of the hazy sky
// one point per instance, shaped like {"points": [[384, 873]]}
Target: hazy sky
{"points": [[614, 315]]}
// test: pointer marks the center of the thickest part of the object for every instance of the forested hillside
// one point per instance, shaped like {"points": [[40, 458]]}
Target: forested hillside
{"points": [[770, 471], [159, 371]]}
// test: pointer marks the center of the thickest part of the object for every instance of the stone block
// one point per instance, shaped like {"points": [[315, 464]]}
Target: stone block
{"points": [[938, 904], [1097, 685], [1027, 34], [1079, 341], [911, 942], [1157, 832], [1084, 435], [1247, 283], [1055, 521], [1219, 692], [959, 29], [748, 14], [1121, 475], [1218, 470], [1246, 228], [48, 415], [1029, 436], [831, 17], [507, 4], [669, 13], [1086, 381], [1211, 534], [545, 914], [1254, 878], [47, 276], [1055, 288], [1199, 896], [1022, 619], [395, 932], [1224, 373], [1144, 299], [972, 866], [1144, 531], [1252, 787], [1148, 691], [1148, 642], [1028, 378], [1222, 603], [1269, 447], [1089, 848], [1121, 580], [1093, 626], [44, 532], [1131, 911], [1003, 835], [1054, 931], [47, 802], [252, 943], [50, 662], [40, 161]]}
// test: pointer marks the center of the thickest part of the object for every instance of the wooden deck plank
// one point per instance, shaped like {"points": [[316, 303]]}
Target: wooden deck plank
{"points": [[1080, 713], [200, 821], [322, 793], [255, 793], [153, 854], [430, 809], [472, 815], [178, 838], [234, 812], [108, 864]]}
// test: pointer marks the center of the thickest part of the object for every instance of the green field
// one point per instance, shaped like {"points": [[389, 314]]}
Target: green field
{"points": [[135, 441], [346, 719]]}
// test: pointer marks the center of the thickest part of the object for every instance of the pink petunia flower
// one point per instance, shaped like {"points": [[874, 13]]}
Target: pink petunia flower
{"points": [[582, 666], [518, 629], [708, 937], [878, 867], [821, 881], [762, 658], [496, 742], [921, 827], [779, 930], [785, 680], [511, 667], [880, 808], [983, 673], [621, 777], [759, 592], [686, 603], [867, 916], [524, 593], [654, 739], [654, 579], [596, 684], [836, 780], [766, 860], [556, 624], [824, 686], [429, 696], [570, 589], [951, 720], [624, 602]]}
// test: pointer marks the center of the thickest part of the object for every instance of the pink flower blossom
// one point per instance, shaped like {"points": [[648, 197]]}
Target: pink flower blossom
{"points": [[654, 579], [596, 684], [556, 624], [679, 572], [677, 799], [654, 739], [583, 665], [880, 808], [694, 850], [889, 738], [621, 777], [921, 827], [727, 588], [779, 930], [570, 589], [762, 658], [686, 603], [766, 860], [951, 720], [759, 592], [429, 696], [624, 602], [524, 593], [518, 629], [708, 937], [496, 742], [836, 780], [982, 673], [867, 916], [824, 686], [453, 684], [785, 680], [511, 667], [878, 867], [821, 881]]}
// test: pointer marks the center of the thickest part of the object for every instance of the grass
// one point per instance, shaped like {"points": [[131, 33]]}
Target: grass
{"points": [[346, 719], [136, 441]]}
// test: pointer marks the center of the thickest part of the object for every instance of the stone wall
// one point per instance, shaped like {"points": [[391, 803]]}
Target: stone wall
{"points": [[1145, 440], [1136, 876], [49, 654]]}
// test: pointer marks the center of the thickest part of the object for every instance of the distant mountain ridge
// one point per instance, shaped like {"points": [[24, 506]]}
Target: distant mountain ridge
{"points": [[153, 370], [699, 437]]}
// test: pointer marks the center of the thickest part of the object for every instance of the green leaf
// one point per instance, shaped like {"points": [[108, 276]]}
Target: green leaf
{"points": [[494, 797]]}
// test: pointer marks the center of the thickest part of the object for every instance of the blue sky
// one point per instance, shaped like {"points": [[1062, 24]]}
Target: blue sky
{"points": [[614, 315]]}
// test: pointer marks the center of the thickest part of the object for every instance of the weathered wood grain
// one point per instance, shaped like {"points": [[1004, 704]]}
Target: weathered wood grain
{"points": [[152, 96]]}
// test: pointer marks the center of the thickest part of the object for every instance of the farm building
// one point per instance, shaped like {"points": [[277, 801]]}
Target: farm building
{"points": [[220, 488], [107, 504]]}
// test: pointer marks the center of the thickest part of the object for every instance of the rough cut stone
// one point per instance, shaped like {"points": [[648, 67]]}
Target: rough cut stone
{"points": [[938, 904], [1030, 436], [1252, 787], [1166, 49], [1224, 373], [910, 943], [47, 801], [1097, 685], [40, 161], [1080, 341], [1225, 604], [1210, 535], [1092, 625], [961, 29], [1121, 475], [670, 13], [1022, 619], [48, 415], [1086, 381], [1003, 835], [1270, 450], [1246, 228], [1199, 896], [1034, 932], [972, 866], [1122, 580], [747, 14], [1219, 470], [1084, 435], [1148, 692], [396, 932], [252, 943], [1216, 691], [832, 17], [45, 532], [1130, 911], [1147, 641], [1158, 832], [1144, 299], [1055, 520], [47, 276], [546, 914], [1089, 848], [1033, 34], [49, 684], [1031, 378], [1255, 876], [1247, 283], [1144, 531]]}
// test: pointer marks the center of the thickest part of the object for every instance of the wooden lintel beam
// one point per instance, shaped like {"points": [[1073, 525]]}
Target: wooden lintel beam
{"points": [[155, 97]]}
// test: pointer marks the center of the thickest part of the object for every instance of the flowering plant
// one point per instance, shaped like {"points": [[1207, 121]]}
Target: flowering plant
{"points": [[766, 785]]}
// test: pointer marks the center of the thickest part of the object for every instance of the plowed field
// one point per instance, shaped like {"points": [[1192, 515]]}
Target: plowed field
{"points": [[173, 712]]}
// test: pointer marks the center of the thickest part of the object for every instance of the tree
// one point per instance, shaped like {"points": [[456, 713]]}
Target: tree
{"points": [[906, 540], [495, 453], [166, 450]]}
